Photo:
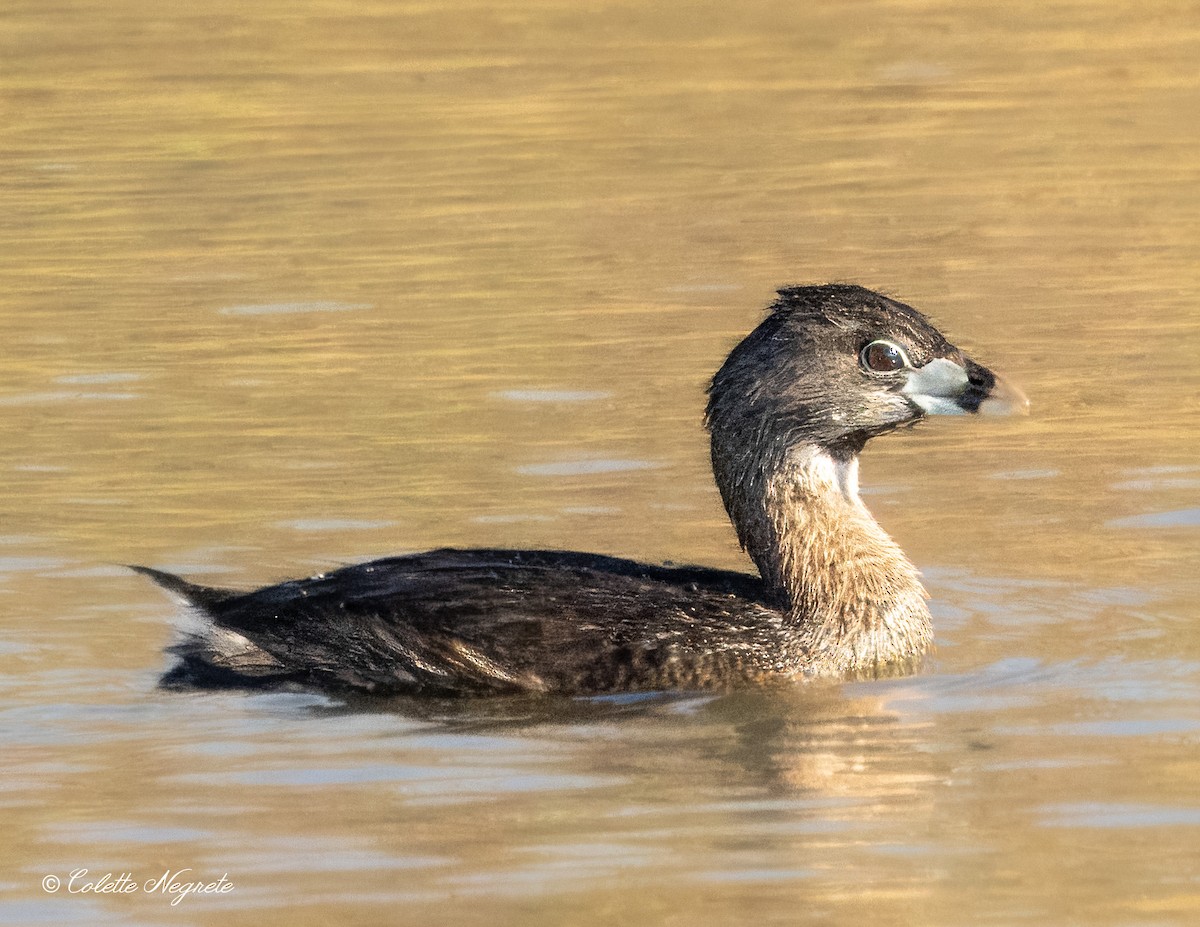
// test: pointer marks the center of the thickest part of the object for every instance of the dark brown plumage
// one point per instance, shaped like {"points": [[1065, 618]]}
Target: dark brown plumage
{"points": [[789, 411]]}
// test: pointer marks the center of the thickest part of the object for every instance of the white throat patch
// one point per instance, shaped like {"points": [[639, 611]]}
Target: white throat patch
{"points": [[838, 474]]}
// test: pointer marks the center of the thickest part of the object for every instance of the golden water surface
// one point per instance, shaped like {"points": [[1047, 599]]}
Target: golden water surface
{"points": [[290, 284]]}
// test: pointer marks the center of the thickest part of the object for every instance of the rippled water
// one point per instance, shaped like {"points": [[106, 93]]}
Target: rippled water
{"points": [[289, 285]]}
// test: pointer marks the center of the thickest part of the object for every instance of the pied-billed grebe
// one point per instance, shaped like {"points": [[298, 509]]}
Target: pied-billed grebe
{"points": [[789, 412]]}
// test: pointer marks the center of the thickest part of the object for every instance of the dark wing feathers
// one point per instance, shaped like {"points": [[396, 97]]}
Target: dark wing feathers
{"points": [[488, 621]]}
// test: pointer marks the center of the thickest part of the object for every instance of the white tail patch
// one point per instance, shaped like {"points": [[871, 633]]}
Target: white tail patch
{"points": [[220, 646]]}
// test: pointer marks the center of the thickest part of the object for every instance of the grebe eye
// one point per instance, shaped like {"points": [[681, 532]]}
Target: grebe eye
{"points": [[883, 357]]}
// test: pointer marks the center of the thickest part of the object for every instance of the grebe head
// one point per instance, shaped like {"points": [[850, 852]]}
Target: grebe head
{"points": [[833, 366]]}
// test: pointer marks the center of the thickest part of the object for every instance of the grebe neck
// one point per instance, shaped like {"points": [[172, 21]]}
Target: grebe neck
{"points": [[854, 601]]}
